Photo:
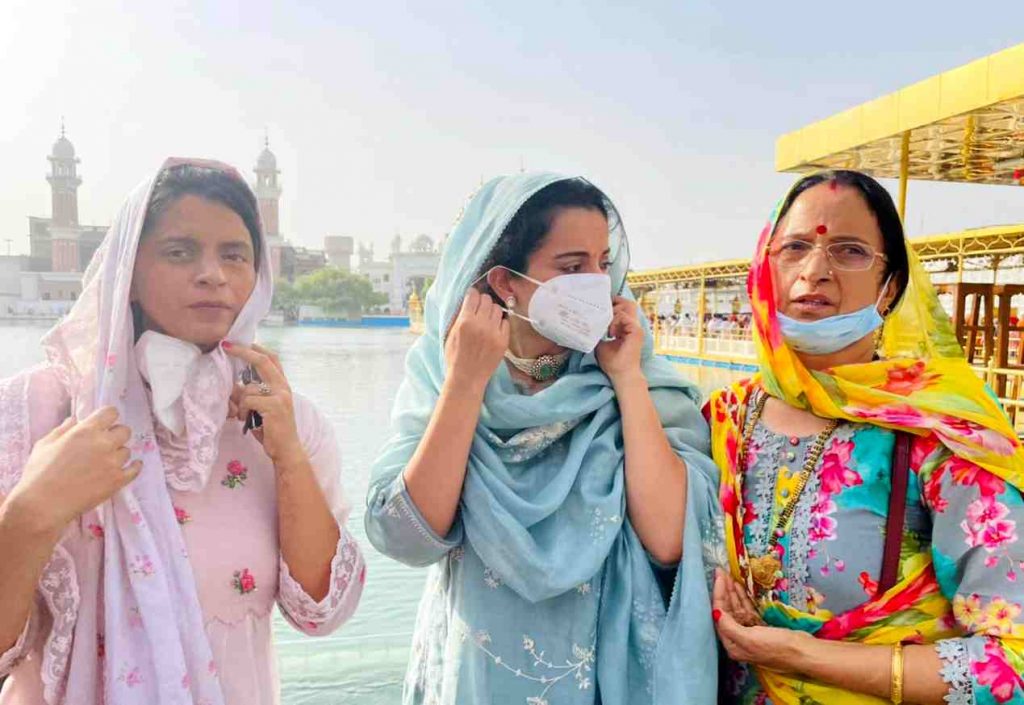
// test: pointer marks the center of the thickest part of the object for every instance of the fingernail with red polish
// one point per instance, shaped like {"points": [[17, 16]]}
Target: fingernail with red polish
{"points": [[716, 615], [225, 344]]}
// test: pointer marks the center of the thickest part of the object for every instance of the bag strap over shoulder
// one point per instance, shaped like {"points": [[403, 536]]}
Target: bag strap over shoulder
{"points": [[897, 512]]}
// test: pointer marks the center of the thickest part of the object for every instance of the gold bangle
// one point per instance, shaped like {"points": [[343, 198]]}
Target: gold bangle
{"points": [[896, 675]]}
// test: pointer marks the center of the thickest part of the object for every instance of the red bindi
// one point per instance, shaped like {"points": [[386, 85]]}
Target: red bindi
{"points": [[821, 229]]}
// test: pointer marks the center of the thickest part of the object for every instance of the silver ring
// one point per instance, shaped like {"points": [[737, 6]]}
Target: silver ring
{"points": [[264, 389]]}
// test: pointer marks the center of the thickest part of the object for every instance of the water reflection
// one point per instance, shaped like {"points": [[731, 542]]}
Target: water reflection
{"points": [[353, 376]]}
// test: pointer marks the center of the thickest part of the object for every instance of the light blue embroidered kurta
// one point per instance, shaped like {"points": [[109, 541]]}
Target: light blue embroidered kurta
{"points": [[542, 594]]}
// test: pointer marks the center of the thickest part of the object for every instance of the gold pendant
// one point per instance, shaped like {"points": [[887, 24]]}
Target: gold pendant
{"points": [[764, 570]]}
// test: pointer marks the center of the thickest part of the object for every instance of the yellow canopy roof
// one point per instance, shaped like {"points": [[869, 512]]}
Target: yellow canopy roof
{"points": [[963, 125]]}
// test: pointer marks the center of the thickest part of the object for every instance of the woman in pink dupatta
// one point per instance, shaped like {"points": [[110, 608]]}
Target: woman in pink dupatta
{"points": [[144, 534]]}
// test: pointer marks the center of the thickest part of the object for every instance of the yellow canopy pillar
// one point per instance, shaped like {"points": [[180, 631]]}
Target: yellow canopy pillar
{"points": [[904, 173]]}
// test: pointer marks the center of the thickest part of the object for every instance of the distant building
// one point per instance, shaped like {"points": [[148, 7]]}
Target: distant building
{"points": [[48, 280], [288, 262], [304, 260], [268, 197], [404, 272], [339, 250], [60, 243]]}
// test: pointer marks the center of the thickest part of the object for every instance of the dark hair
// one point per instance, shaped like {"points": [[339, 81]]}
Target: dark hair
{"points": [[525, 233], [880, 203], [215, 185]]}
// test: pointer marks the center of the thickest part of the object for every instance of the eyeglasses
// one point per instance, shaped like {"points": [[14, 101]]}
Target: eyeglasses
{"points": [[845, 256]]}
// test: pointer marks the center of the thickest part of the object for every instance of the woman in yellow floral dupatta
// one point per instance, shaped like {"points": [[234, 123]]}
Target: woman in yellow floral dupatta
{"points": [[806, 451]]}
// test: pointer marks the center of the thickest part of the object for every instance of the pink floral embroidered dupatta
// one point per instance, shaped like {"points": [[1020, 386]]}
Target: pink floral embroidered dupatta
{"points": [[127, 625]]}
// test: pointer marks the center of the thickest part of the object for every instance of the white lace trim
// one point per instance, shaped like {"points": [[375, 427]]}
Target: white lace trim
{"points": [[58, 583], [955, 671], [59, 587], [189, 460], [347, 568]]}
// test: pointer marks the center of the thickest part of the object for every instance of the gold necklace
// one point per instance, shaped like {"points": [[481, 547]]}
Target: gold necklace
{"points": [[767, 568], [540, 369]]}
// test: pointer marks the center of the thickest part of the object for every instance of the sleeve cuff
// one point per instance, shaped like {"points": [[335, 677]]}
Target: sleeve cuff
{"points": [[955, 671], [348, 574]]}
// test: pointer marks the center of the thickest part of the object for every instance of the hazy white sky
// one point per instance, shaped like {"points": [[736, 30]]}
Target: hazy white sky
{"points": [[385, 115]]}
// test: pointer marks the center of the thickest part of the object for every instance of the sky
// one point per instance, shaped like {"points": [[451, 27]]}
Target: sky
{"points": [[385, 116]]}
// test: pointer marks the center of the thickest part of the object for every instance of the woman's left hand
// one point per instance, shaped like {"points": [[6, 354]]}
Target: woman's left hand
{"points": [[743, 633], [272, 400], [620, 357]]}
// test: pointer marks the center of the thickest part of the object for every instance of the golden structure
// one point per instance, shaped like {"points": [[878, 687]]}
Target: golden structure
{"points": [[415, 314]]}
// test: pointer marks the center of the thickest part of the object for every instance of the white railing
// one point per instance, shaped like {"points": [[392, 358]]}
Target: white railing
{"points": [[680, 339]]}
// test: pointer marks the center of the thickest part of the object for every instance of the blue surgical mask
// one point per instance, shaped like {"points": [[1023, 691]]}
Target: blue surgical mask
{"points": [[834, 333]]}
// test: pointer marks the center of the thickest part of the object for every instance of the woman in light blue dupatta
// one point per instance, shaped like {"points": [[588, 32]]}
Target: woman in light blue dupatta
{"points": [[564, 500]]}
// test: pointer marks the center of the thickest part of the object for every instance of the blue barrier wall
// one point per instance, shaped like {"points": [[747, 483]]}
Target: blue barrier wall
{"points": [[365, 322]]}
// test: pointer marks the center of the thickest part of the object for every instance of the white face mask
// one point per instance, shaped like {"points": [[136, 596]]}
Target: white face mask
{"points": [[571, 310]]}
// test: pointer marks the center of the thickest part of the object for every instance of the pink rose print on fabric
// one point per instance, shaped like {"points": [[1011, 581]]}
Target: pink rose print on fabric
{"points": [[907, 380], [933, 490], [902, 415], [244, 581], [95, 530], [967, 473], [921, 449], [182, 516], [237, 474], [997, 674], [749, 513], [823, 526], [977, 434], [986, 524], [836, 474], [143, 566], [144, 443], [869, 586], [130, 678]]}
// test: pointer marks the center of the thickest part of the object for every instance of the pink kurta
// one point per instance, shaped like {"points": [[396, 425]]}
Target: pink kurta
{"points": [[230, 530]]}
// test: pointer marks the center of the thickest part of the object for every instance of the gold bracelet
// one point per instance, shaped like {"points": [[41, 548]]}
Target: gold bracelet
{"points": [[896, 675]]}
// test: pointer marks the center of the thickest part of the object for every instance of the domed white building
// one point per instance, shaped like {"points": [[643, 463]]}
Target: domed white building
{"points": [[403, 272]]}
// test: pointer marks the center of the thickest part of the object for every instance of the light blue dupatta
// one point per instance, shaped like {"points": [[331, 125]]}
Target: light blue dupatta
{"points": [[543, 509]]}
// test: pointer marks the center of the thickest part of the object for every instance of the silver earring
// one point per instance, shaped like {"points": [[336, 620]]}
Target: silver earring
{"points": [[511, 301]]}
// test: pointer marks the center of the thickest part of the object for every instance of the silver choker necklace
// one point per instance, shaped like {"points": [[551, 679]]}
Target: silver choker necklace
{"points": [[541, 369]]}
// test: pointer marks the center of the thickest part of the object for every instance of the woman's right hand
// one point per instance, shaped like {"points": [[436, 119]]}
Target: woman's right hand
{"points": [[477, 340], [75, 467]]}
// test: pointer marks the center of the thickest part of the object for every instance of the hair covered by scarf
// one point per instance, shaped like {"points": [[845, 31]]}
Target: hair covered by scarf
{"points": [[539, 537], [127, 627], [920, 384]]}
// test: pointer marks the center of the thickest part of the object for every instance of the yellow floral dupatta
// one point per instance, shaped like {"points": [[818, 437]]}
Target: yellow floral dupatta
{"points": [[923, 385]]}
